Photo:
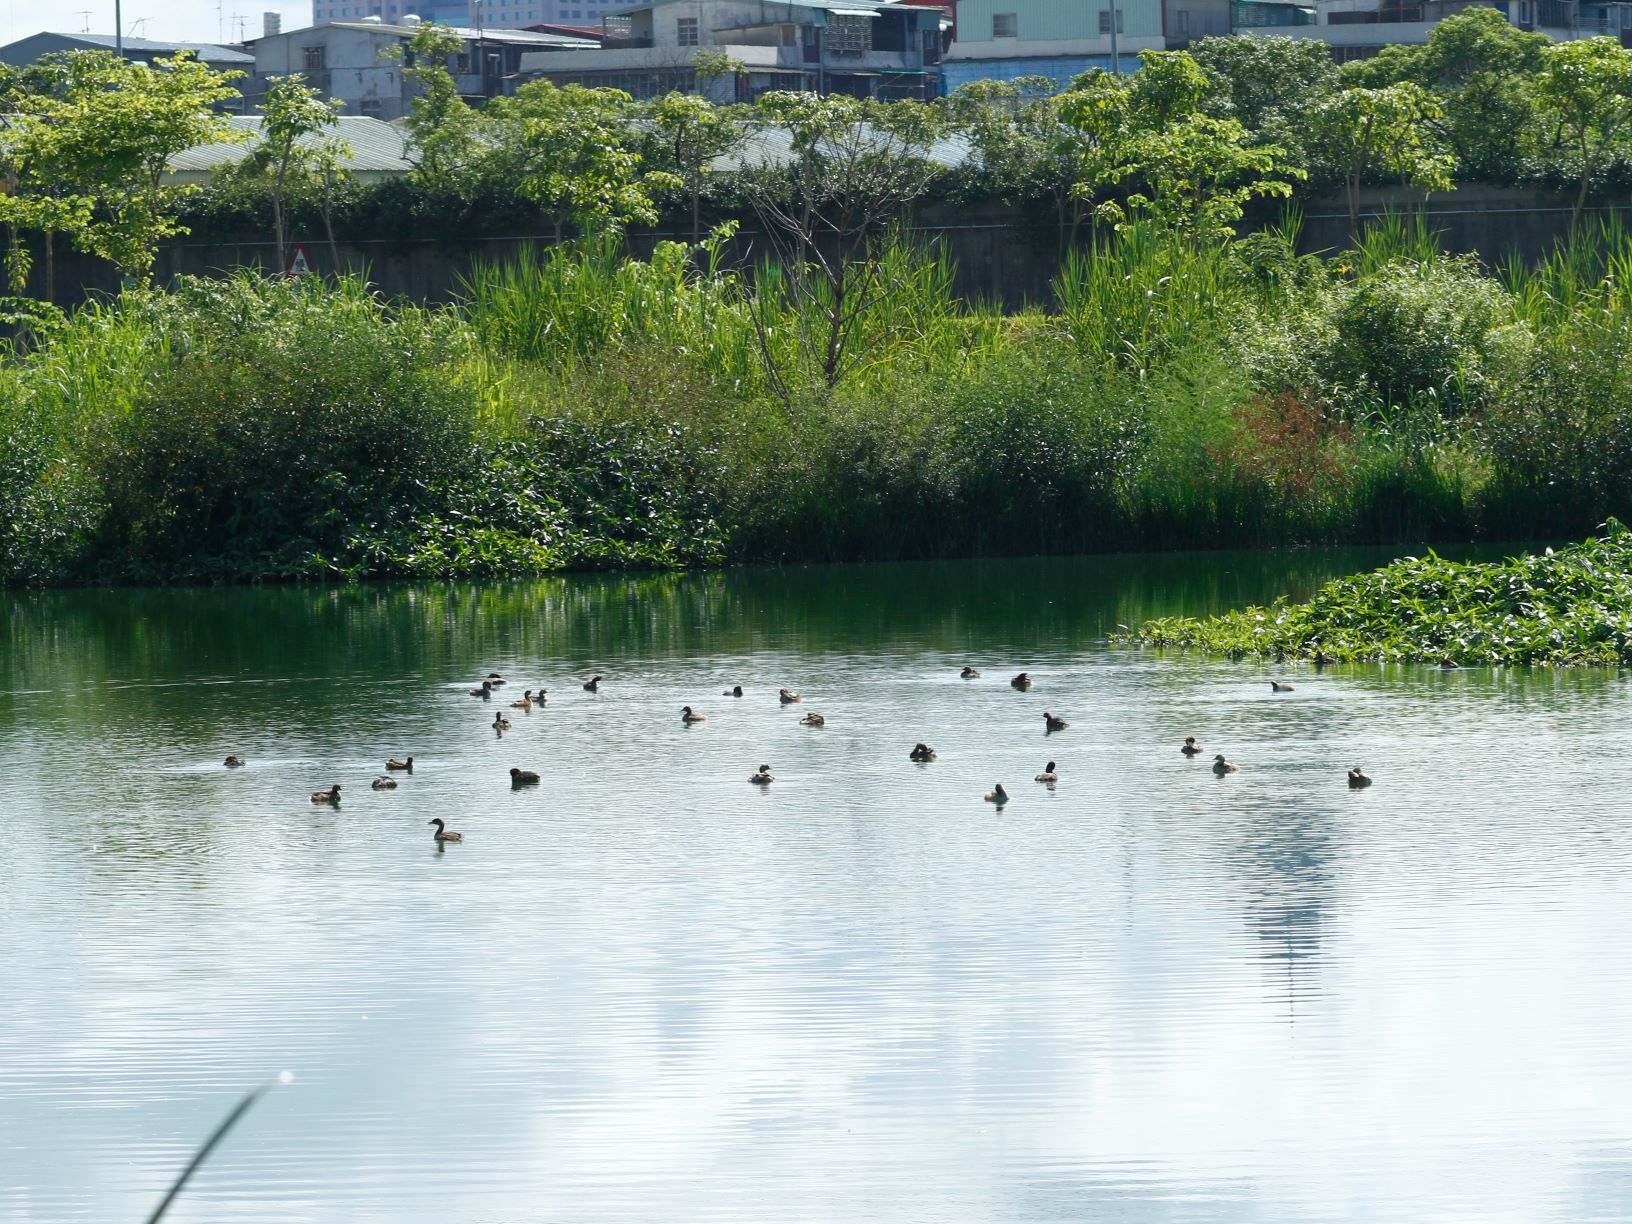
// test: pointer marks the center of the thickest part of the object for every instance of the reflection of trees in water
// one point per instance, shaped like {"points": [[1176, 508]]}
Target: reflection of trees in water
{"points": [[600, 618], [1289, 861]]}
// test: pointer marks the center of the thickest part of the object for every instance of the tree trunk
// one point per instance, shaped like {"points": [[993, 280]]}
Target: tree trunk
{"points": [[835, 325], [277, 229], [18, 286], [328, 228], [51, 266]]}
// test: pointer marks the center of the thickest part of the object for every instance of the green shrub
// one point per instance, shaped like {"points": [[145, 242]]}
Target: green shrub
{"points": [[1415, 328], [284, 415]]}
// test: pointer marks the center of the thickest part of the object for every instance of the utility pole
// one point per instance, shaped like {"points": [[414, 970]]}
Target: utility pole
{"points": [[118, 29], [1116, 59]]}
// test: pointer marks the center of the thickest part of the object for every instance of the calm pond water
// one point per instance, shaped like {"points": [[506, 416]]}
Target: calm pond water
{"points": [[647, 991]]}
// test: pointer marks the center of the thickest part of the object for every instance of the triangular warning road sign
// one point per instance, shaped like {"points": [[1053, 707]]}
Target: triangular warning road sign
{"points": [[299, 265]]}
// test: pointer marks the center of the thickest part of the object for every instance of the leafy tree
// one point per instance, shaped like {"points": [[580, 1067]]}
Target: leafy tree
{"points": [[1481, 70], [856, 168], [1201, 171], [571, 150], [1095, 113], [440, 122], [100, 142], [293, 159], [1168, 86], [1269, 85], [1386, 130], [1197, 170], [1586, 86], [1025, 151], [694, 132], [709, 65]]}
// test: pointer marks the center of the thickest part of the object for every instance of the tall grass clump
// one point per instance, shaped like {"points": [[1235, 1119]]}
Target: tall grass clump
{"points": [[582, 303], [1560, 430], [1141, 292]]}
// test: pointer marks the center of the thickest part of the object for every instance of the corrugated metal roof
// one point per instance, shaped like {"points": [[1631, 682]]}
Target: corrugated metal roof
{"points": [[376, 147], [773, 146], [213, 52], [529, 38], [872, 6]]}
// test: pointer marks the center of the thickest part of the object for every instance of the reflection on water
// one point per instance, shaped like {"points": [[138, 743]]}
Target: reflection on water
{"points": [[646, 990]]}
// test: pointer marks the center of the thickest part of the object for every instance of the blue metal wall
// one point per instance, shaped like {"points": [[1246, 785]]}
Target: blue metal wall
{"points": [[1058, 68]]}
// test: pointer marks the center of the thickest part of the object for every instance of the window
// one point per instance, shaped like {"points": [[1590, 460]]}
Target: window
{"points": [[1181, 22], [1105, 21], [370, 106], [685, 31], [311, 58], [1005, 25], [848, 33]]}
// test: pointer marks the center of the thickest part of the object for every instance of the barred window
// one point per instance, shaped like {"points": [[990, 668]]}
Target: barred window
{"points": [[847, 33]]}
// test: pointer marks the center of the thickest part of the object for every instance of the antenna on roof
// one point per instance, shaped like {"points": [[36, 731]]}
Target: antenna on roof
{"points": [[241, 20], [85, 18]]}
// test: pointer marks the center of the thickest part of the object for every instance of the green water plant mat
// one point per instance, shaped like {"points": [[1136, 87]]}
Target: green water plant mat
{"points": [[1572, 606]]}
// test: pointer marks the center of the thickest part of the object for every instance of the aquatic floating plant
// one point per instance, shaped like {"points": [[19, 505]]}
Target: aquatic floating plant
{"points": [[1572, 606]]}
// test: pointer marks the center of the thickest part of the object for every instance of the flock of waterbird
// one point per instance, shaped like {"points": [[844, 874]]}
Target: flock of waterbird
{"points": [[921, 752]]}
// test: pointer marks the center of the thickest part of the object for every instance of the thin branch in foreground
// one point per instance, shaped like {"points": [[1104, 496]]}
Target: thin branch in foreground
{"points": [[199, 1157]]}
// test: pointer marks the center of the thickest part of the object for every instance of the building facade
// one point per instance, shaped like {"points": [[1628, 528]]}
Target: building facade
{"points": [[1004, 39], [361, 63], [486, 14], [864, 48], [1059, 39], [1358, 29]]}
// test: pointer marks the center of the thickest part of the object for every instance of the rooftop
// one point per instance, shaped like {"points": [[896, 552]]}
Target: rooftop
{"points": [[520, 38], [213, 53], [773, 146], [841, 6], [376, 147]]}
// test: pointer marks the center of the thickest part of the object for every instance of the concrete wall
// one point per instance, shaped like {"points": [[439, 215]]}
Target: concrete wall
{"points": [[354, 69], [1002, 255], [1048, 21]]}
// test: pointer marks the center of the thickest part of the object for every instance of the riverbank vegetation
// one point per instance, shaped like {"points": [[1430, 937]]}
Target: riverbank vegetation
{"points": [[1569, 607], [582, 409], [1185, 386]]}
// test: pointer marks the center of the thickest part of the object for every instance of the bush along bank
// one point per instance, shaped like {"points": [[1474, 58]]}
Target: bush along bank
{"points": [[1569, 607], [580, 409]]}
